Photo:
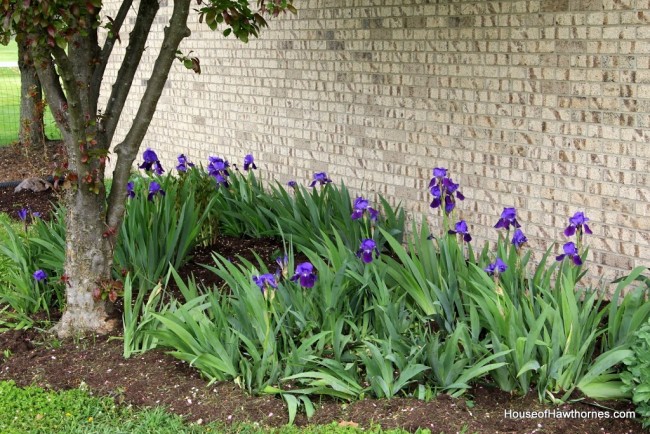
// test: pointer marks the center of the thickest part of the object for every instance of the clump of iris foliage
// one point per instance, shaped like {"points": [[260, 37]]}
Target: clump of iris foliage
{"points": [[371, 312]]}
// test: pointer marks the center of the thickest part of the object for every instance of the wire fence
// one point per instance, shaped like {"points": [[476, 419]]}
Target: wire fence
{"points": [[10, 107]]}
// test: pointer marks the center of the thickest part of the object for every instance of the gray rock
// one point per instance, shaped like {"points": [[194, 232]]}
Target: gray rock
{"points": [[33, 184]]}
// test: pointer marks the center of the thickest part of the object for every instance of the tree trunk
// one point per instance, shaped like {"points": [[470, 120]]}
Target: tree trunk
{"points": [[31, 103], [88, 266], [91, 224]]}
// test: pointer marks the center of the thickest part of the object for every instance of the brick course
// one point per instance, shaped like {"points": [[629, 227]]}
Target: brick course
{"points": [[542, 105]]}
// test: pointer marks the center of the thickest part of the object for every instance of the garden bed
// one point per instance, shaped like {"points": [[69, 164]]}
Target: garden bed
{"points": [[348, 283], [155, 378]]}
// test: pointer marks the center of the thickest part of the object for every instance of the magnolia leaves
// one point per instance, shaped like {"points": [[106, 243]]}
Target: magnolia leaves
{"points": [[48, 23], [240, 20], [192, 63]]}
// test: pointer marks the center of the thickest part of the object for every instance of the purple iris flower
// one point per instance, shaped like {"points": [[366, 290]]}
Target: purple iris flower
{"points": [[151, 162], [436, 191], [366, 250], [149, 157], [157, 168], [155, 188], [221, 180], [40, 275], [320, 178], [360, 206], [264, 281], [292, 184], [518, 239], [305, 272], [577, 223], [439, 172], [183, 164], [462, 229], [25, 212], [497, 267], [129, 190], [444, 190], [218, 169], [508, 218], [217, 164], [451, 188], [450, 204], [571, 251], [249, 161]]}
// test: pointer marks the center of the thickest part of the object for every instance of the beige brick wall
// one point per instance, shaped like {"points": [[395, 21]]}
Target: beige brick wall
{"points": [[542, 105]]}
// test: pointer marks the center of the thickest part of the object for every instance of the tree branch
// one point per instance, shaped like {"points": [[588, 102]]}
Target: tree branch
{"points": [[74, 102], [126, 151], [53, 92], [98, 74], [137, 39]]}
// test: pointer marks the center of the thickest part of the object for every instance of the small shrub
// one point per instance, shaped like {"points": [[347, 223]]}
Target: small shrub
{"points": [[636, 377]]}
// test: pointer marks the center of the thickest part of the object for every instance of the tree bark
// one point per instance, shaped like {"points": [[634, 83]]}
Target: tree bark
{"points": [[88, 266], [89, 252], [31, 103]]}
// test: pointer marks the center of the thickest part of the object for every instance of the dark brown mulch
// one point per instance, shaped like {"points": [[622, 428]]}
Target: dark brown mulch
{"points": [[230, 248], [17, 164], [156, 378], [41, 202]]}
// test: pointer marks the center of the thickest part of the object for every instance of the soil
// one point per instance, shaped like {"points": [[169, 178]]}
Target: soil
{"points": [[155, 378], [17, 164]]}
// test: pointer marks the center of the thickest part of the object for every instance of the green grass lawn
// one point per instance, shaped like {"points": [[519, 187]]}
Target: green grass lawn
{"points": [[34, 410], [10, 108], [9, 105], [9, 53]]}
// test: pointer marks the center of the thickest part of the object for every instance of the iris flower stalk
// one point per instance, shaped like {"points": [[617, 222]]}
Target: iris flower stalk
{"points": [[266, 282], [508, 220], [496, 269], [183, 164], [249, 162], [461, 231], [445, 193], [578, 227], [27, 216], [218, 169], [363, 212], [22, 215]]}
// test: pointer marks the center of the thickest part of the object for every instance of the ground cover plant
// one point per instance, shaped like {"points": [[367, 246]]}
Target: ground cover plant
{"points": [[355, 308]]}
